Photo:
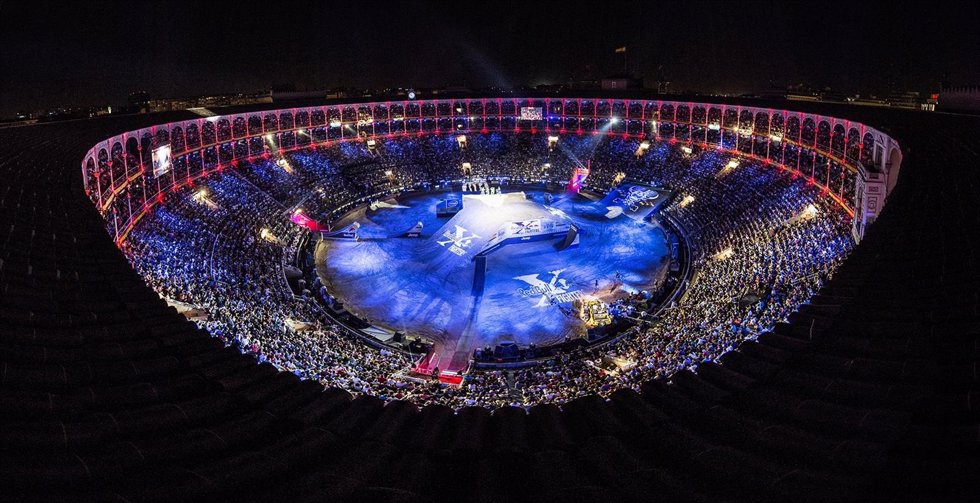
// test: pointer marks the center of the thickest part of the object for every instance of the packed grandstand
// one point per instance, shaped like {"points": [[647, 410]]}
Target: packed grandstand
{"points": [[755, 231], [107, 392]]}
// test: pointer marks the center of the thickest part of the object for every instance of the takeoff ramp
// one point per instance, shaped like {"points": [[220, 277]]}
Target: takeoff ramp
{"points": [[414, 232], [348, 233]]}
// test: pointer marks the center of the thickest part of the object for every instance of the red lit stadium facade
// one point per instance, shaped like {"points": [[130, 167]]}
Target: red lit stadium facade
{"points": [[854, 163]]}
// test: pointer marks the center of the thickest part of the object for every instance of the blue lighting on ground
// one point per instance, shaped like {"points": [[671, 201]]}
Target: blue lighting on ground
{"points": [[423, 286]]}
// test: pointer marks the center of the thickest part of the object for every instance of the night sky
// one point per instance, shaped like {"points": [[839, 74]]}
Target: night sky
{"points": [[64, 52]]}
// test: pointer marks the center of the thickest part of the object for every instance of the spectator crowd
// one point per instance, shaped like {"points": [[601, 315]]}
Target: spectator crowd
{"points": [[762, 242]]}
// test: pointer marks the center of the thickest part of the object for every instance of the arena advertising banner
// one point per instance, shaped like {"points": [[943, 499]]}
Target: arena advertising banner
{"points": [[532, 114], [448, 207], [160, 157], [528, 228], [347, 233]]}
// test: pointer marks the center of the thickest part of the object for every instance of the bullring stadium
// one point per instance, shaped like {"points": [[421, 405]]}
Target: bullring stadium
{"points": [[157, 315], [551, 296]]}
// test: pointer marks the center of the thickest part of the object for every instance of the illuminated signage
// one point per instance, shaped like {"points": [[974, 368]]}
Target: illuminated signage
{"points": [[161, 160]]}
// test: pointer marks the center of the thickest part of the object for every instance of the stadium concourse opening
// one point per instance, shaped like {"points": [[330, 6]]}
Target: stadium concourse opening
{"points": [[510, 269]]}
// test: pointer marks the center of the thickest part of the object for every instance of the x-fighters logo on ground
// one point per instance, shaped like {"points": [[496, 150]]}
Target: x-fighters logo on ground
{"points": [[457, 240], [556, 288], [635, 196]]}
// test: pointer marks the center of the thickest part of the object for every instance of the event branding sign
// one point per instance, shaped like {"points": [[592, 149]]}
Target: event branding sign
{"points": [[555, 287], [635, 196], [457, 240]]}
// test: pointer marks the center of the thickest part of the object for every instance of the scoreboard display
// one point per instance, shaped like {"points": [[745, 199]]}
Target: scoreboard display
{"points": [[161, 160]]}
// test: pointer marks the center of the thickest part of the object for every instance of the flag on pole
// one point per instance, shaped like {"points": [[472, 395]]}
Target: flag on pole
{"points": [[620, 49]]}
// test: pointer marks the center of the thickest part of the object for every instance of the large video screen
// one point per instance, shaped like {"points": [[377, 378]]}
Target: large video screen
{"points": [[161, 160], [532, 114]]}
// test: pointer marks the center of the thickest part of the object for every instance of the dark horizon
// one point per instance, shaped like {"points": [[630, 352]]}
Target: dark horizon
{"points": [[54, 54]]}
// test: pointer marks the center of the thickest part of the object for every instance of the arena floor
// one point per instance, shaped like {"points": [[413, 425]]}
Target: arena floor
{"points": [[424, 286]]}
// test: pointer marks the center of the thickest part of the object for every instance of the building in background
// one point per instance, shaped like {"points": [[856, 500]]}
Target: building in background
{"points": [[959, 99]]}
